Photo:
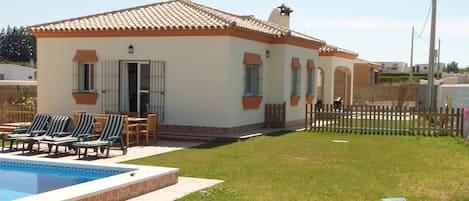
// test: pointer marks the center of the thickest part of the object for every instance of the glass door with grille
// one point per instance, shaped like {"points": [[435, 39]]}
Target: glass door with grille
{"points": [[135, 87]]}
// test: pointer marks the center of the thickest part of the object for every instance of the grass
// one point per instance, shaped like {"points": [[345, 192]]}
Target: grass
{"points": [[309, 166], [26, 63]]}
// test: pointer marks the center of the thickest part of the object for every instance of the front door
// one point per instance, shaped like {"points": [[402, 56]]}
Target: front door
{"points": [[135, 86]]}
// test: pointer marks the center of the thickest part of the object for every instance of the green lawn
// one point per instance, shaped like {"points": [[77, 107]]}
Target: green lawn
{"points": [[309, 166]]}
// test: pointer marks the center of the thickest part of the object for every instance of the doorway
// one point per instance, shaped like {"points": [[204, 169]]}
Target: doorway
{"points": [[135, 86]]}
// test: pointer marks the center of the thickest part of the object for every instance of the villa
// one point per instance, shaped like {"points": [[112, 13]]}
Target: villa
{"points": [[201, 69], [336, 74]]}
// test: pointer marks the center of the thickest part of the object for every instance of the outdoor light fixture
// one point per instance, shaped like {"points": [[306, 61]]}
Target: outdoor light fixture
{"points": [[267, 53], [131, 49]]}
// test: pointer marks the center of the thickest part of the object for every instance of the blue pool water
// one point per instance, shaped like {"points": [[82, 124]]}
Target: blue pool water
{"points": [[19, 179]]}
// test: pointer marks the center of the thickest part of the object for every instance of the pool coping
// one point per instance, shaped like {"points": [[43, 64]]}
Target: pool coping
{"points": [[138, 181]]}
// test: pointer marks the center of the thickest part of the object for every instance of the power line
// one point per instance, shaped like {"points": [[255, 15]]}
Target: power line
{"points": [[426, 21]]}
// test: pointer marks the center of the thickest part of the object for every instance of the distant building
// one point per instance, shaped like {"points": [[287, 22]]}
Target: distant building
{"points": [[423, 68], [16, 72], [394, 67]]}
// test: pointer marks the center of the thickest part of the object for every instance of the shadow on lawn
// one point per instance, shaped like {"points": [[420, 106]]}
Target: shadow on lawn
{"points": [[277, 133], [212, 144], [221, 142]]}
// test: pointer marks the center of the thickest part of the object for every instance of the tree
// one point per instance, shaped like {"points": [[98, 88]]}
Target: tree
{"points": [[17, 45], [452, 67]]}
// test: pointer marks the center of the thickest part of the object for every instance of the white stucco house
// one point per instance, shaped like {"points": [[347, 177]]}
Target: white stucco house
{"points": [[16, 72], [201, 69], [335, 75]]}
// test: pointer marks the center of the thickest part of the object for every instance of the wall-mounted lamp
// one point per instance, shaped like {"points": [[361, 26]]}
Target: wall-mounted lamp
{"points": [[267, 53], [131, 49]]}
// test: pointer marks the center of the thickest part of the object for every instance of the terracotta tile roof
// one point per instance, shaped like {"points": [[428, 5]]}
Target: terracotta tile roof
{"points": [[332, 49], [329, 50], [169, 15]]}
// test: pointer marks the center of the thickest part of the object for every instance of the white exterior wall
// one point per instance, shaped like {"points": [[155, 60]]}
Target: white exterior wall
{"points": [[329, 64], [196, 74], [297, 112], [278, 74], [455, 95], [204, 76], [237, 114], [16, 72]]}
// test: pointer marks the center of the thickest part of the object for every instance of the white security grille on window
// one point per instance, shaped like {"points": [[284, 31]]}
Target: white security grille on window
{"points": [[253, 80]]}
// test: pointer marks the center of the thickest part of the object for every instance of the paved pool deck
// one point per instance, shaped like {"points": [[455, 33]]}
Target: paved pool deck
{"points": [[184, 186]]}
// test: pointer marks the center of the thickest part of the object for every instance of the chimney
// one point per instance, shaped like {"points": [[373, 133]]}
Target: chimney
{"points": [[281, 15]]}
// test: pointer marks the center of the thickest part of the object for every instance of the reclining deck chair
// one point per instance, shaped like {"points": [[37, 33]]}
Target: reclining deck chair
{"points": [[83, 129], [56, 125], [38, 124], [111, 134]]}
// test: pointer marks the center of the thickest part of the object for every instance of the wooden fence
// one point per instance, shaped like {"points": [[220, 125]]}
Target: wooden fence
{"points": [[384, 120], [275, 115], [17, 113]]}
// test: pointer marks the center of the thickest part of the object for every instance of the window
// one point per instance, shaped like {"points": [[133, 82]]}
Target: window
{"points": [[296, 81], [311, 82], [85, 76], [253, 80], [2, 76], [84, 71]]}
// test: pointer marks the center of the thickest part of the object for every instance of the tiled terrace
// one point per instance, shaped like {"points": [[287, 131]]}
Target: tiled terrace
{"points": [[184, 186]]}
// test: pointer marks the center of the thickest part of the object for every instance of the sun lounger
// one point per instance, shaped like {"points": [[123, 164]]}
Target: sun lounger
{"points": [[57, 124], [111, 135], [38, 124], [83, 129]]}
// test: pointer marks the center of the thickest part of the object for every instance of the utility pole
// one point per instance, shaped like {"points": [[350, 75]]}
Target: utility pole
{"points": [[411, 71], [431, 60], [438, 72]]}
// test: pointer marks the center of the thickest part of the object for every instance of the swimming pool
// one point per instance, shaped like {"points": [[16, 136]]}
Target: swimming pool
{"points": [[26, 178], [20, 178]]}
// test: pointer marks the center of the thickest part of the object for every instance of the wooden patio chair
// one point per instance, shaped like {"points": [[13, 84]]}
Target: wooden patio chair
{"points": [[100, 120], [131, 133], [150, 128]]}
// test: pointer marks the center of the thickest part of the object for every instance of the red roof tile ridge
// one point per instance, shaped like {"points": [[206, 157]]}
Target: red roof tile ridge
{"points": [[331, 48], [99, 14], [170, 15], [229, 19]]}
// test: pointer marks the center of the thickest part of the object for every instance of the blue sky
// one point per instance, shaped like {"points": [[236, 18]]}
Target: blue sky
{"points": [[379, 30]]}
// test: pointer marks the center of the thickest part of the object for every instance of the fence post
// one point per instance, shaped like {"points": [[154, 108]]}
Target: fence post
{"points": [[306, 117], [460, 122]]}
